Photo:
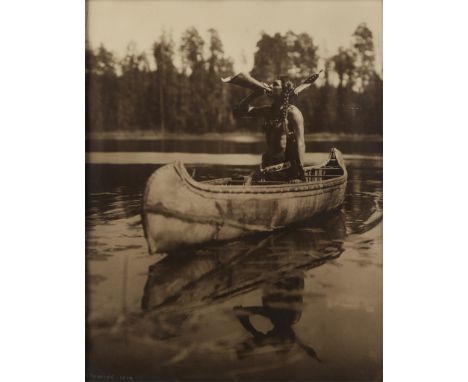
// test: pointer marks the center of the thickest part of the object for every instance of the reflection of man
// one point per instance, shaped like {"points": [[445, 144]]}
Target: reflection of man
{"points": [[284, 129], [282, 305]]}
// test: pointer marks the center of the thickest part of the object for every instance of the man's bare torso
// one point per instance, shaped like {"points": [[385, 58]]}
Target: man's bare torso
{"points": [[276, 132]]}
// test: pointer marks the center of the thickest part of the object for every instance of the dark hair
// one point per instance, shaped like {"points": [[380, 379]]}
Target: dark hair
{"points": [[286, 83]]}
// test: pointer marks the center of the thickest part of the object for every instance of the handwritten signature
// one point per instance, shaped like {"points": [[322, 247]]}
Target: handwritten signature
{"points": [[111, 377]]}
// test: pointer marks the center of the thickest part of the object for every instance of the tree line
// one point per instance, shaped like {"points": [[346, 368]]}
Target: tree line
{"points": [[125, 94]]}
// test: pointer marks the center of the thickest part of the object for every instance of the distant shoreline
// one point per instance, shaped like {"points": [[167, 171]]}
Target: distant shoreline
{"points": [[231, 136]]}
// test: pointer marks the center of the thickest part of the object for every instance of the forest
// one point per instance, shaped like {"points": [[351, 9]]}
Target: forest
{"points": [[125, 94]]}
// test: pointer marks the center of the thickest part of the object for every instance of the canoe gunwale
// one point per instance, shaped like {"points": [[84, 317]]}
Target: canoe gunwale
{"points": [[266, 189]]}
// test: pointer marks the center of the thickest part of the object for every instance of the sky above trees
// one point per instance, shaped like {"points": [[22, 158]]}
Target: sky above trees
{"points": [[239, 23]]}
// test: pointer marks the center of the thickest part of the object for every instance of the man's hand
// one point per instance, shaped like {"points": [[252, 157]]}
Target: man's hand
{"points": [[268, 91], [261, 92]]}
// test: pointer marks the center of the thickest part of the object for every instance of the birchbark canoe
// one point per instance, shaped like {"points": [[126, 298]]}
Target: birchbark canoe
{"points": [[179, 211]]}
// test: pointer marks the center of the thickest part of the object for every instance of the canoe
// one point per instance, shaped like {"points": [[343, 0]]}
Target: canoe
{"points": [[179, 211]]}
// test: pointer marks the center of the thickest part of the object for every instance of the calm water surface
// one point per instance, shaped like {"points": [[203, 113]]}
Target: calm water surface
{"points": [[222, 147], [304, 303]]}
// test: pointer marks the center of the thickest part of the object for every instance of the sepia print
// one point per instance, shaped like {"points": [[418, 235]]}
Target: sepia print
{"points": [[234, 190]]}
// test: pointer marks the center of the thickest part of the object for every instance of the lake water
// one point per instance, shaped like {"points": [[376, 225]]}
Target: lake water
{"points": [[304, 303]]}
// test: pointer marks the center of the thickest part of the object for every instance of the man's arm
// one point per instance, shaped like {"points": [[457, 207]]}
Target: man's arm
{"points": [[245, 110], [297, 124]]}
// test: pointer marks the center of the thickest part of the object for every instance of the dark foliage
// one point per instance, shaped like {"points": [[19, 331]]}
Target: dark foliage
{"points": [[127, 95]]}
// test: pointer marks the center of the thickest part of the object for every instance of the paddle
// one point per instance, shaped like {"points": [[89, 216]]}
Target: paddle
{"points": [[245, 80]]}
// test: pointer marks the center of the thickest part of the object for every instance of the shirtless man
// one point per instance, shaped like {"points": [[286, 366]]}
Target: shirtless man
{"points": [[277, 138]]}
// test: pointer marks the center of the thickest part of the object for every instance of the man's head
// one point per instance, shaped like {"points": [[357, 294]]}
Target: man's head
{"points": [[276, 88], [279, 86]]}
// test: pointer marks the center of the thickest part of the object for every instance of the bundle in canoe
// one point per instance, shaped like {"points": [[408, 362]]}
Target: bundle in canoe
{"points": [[179, 211]]}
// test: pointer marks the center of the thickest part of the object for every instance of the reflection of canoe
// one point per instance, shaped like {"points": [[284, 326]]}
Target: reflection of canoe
{"points": [[179, 211], [267, 270], [217, 272]]}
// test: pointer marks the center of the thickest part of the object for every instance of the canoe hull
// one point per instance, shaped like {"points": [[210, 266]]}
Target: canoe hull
{"points": [[179, 211]]}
